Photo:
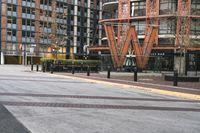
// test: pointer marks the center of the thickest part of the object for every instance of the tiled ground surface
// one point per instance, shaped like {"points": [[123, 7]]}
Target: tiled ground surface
{"points": [[145, 80]]}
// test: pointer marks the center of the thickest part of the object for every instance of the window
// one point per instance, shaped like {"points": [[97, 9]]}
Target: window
{"points": [[28, 10], [28, 34], [11, 32], [11, 20], [12, 8], [195, 27], [138, 8], [195, 7], [33, 1], [166, 41], [28, 22], [168, 6], [140, 27], [195, 42], [167, 26]]}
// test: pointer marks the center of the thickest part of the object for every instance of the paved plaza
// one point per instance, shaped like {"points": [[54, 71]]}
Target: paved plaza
{"points": [[39, 102]]}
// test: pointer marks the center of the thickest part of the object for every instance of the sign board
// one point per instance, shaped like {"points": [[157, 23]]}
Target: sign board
{"points": [[31, 50]]}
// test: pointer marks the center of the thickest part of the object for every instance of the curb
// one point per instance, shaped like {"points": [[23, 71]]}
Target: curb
{"points": [[131, 87]]}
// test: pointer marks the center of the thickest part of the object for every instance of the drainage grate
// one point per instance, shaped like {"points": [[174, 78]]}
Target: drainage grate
{"points": [[96, 97], [41, 80], [97, 106]]}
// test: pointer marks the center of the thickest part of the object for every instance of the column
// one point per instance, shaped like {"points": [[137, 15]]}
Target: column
{"points": [[19, 32], [88, 23], [75, 26], [3, 28], [100, 26], [37, 26]]}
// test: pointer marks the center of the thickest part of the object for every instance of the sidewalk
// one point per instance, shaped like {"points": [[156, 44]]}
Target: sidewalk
{"points": [[147, 80]]}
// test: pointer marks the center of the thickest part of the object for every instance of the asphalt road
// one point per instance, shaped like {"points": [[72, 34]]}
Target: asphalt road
{"points": [[44, 103]]}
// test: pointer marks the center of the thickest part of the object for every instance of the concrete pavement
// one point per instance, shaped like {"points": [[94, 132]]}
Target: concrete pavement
{"points": [[44, 103], [182, 92], [9, 124]]}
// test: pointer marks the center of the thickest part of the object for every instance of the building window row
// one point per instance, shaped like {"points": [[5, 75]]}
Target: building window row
{"points": [[68, 10], [138, 8], [168, 27]]}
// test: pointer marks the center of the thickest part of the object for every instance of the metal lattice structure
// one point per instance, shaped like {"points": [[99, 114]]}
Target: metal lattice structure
{"points": [[152, 13], [128, 38], [142, 52], [183, 23], [123, 13], [178, 27]]}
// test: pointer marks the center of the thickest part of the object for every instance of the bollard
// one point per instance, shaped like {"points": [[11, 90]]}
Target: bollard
{"points": [[135, 74], [37, 68], [51, 68], [43, 67], [31, 67], [175, 78], [73, 70], [88, 71], [81, 67], [108, 74]]}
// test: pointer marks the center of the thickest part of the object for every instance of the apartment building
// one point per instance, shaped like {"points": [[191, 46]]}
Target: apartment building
{"points": [[43, 28], [173, 18]]}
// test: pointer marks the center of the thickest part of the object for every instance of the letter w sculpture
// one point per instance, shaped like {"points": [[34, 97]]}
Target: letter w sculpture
{"points": [[142, 52]]}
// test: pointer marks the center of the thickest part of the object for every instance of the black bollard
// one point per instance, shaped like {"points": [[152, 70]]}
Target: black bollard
{"points": [[51, 68], [88, 71], [81, 67], [44, 67], [135, 74], [31, 67], [73, 70], [108, 74], [175, 78], [37, 68]]}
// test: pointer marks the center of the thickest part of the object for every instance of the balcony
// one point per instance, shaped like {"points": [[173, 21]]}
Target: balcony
{"points": [[107, 1], [110, 5]]}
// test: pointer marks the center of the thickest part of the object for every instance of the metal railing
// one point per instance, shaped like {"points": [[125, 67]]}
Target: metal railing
{"points": [[106, 1]]}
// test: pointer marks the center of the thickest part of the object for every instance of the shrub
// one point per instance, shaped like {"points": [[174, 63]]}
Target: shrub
{"points": [[70, 61]]}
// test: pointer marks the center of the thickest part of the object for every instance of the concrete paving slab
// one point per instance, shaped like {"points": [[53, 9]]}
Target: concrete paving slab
{"points": [[41, 102]]}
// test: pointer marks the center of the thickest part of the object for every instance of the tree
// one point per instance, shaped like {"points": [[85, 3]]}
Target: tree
{"points": [[58, 35]]}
